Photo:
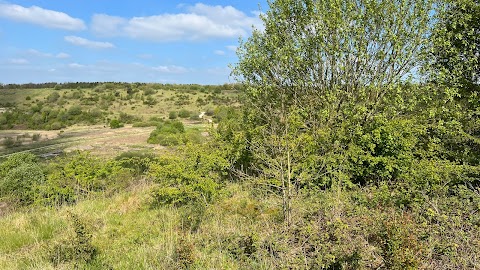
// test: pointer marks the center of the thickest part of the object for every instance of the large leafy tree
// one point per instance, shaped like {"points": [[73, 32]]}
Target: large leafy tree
{"points": [[456, 45], [318, 73], [455, 69]]}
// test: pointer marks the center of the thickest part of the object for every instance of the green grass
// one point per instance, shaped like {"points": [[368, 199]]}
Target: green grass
{"points": [[128, 234], [241, 230]]}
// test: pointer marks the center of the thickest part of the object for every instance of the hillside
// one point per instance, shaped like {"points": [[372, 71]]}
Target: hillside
{"points": [[40, 118]]}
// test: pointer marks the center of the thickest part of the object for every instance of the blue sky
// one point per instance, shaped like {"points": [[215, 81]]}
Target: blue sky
{"points": [[128, 41]]}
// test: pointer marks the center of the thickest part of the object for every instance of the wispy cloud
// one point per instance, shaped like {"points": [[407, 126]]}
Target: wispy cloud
{"points": [[170, 69], [39, 16], [18, 61], [76, 65], [62, 55], [200, 22], [78, 41], [37, 53], [219, 52]]}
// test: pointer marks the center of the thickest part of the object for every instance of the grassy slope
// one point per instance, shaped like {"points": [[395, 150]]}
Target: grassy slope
{"points": [[127, 233], [166, 100], [240, 230]]}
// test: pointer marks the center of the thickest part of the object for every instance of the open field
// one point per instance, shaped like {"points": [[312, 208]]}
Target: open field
{"points": [[100, 140]]}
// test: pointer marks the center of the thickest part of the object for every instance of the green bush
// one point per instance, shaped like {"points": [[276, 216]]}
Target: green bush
{"points": [[75, 110], [149, 91], [210, 112], [172, 115], [115, 123], [150, 101], [138, 161], [169, 133], [56, 125], [195, 116], [53, 97], [194, 136], [20, 176], [193, 175], [183, 113], [78, 176], [127, 118], [3, 119]]}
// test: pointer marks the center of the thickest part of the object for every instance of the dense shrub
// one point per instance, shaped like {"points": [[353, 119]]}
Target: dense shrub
{"points": [[193, 175], [53, 97], [81, 175], [115, 123], [184, 113], [138, 161], [172, 115], [127, 118], [168, 133], [75, 110], [56, 126], [195, 116], [150, 101], [20, 176], [171, 133]]}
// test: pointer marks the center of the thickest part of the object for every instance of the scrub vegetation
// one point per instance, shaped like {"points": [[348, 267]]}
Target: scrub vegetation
{"points": [[352, 141]]}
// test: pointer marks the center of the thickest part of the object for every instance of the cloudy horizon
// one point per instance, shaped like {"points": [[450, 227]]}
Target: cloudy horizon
{"points": [[146, 41]]}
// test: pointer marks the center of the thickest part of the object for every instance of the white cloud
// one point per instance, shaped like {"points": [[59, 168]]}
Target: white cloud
{"points": [[38, 53], [75, 65], [219, 52], [78, 41], [19, 61], [62, 55], [170, 69], [40, 16], [201, 22]]}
